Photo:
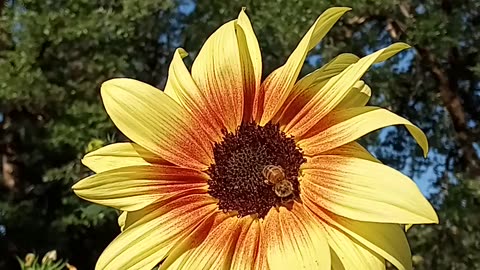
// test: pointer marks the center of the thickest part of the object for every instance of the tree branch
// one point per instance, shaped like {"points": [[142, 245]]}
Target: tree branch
{"points": [[454, 105]]}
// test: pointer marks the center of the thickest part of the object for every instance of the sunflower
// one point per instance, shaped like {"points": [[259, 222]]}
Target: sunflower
{"points": [[227, 171]]}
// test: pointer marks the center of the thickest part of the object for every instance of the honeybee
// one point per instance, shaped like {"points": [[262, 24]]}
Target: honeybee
{"points": [[283, 188], [274, 175]]}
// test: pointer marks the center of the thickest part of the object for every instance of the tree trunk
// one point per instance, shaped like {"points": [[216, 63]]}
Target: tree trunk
{"points": [[10, 179]]}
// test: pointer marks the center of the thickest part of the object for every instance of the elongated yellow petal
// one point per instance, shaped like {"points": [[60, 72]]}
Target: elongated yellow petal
{"points": [[146, 242], [252, 44], [277, 87], [387, 240], [156, 122], [121, 220], [249, 49], [120, 155], [344, 126], [352, 149], [132, 188], [305, 89], [126, 219], [180, 254], [336, 262], [246, 248], [363, 190], [332, 93], [224, 72], [294, 240], [216, 251], [262, 250], [358, 96], [318, 78], [352, 254], [181, 86]]}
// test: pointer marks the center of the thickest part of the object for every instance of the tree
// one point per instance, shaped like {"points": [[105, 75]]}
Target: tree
{"points": [[53, 57], [453, 243]]}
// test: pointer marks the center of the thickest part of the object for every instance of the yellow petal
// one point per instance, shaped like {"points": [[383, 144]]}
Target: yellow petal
{"points": [[120, 155], [318, 78], [352, 149], [156, 122], [224, 73], [183, 250], [132, 188], [357, 96], [181, 86], [363, 190], [344, 126], [216, 251], [148, 241], [122, 218], [336, 89], [294, 240], [262, 249], [352, 255], [249, 49], [247, 245], [387, 240], [126, 219], [336, 262], [277, 87], [305, 89]]}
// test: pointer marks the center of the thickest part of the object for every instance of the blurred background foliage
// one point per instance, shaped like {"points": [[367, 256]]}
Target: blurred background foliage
{"points": [[55, 54]]}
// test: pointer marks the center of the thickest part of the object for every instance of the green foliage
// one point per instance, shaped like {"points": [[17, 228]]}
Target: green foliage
{"points": [[53, 57], [55, 54], [453, 242]]}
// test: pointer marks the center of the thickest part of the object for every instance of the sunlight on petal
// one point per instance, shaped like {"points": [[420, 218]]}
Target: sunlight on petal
{"points": [[132, 188], [277, 86], [120, 155], [344, 126], [363, 190], [336, 89]]}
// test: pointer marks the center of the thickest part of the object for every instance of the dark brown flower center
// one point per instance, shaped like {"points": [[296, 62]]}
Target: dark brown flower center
{"points": [[255, 168]]}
